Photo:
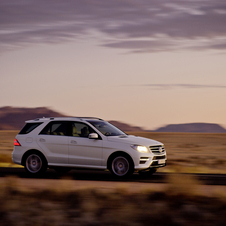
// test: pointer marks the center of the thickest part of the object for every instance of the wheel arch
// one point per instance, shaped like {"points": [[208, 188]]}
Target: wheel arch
{"points": [[119, 153], [33, 151]]}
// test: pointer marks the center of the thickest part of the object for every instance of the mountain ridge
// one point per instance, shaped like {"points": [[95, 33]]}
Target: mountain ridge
{"points": [[193, 128], [13, 118]]}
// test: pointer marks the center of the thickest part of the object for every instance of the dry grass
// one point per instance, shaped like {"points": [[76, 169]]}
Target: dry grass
{"points": [[6, 145], [176, 205], [186, 152], [6, 139], [182, 201], [193, 152]]}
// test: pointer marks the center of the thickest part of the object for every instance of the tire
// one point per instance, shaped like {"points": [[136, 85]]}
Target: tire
{"points": [[121, 166], [35, 163]]}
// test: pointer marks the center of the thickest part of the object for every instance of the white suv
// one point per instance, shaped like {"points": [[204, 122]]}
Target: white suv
{"points": [[73, 142]]}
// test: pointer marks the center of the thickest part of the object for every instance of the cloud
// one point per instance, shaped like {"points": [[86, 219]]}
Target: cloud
{"points": [[189, 86], [134, 25]]}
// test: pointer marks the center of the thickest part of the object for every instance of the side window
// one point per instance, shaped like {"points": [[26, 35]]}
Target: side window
{"points": [[55, 128], [29, 127], [79, 129]]}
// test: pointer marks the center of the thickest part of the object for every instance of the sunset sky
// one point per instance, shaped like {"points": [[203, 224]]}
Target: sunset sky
{"points": [[148, 63]]}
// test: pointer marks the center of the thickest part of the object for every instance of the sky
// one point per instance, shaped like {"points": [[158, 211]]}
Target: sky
{"points": [[148, 63]]}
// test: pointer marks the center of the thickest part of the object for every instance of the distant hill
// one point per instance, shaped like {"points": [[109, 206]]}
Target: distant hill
{"points": [[193, 128], [126, 127], [12, 118]]}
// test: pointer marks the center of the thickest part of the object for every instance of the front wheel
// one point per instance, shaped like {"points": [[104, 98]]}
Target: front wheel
{"points": [[121, 166], [35, 164]]}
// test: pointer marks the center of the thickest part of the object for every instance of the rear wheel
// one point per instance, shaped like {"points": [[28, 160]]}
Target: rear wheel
{"points": [[121, 166], [35, 163]]}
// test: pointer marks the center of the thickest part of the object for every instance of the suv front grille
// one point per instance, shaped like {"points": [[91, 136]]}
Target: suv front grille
{"points": [[159, 150]]}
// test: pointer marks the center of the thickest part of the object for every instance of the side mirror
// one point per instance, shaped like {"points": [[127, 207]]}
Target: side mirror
{"points": [[93, 136]]}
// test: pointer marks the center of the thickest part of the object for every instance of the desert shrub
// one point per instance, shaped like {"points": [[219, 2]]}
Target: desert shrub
{"points": [[6, 158], [181, 203]]}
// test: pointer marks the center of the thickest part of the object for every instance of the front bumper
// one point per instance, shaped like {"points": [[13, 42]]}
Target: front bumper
{"points": [[156, 164], [157, 159], [151, 162]]}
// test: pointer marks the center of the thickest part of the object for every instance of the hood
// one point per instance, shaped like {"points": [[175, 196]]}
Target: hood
{"points": [[130, 139]]}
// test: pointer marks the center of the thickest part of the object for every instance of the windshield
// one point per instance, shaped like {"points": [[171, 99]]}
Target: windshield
{"points": [[107, 128]]}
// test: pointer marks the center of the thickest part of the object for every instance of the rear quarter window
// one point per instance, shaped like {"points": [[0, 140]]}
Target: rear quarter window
{"points": [[29, 127]]}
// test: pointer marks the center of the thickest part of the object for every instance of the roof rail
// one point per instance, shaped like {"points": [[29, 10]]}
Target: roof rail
{"points": [[89, 118], [37, 119], [81, 118]]}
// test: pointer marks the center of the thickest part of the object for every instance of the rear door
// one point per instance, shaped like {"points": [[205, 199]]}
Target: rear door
{"points": [[53, 140]]}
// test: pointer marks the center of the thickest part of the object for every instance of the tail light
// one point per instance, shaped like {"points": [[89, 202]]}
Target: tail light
{"points": [[16, 143]]}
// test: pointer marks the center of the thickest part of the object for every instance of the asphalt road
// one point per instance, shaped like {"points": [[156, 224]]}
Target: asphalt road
{"points": [[94, 175]]}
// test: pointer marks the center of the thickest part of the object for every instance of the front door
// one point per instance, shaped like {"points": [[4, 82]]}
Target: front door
{"points": [[82, 150]]}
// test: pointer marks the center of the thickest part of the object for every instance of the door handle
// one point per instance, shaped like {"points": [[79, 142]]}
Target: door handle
{"points": [[42, 140], [73, 142]]}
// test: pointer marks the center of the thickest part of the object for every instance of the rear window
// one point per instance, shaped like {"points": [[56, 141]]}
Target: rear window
{"points": [[29, 127], [55, 128]]}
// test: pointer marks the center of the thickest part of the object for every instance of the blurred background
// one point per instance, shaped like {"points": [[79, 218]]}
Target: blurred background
{"points": [[146, 63], [148, 66]]}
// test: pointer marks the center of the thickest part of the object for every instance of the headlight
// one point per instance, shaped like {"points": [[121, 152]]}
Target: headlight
{"points": [[140, 148]]}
